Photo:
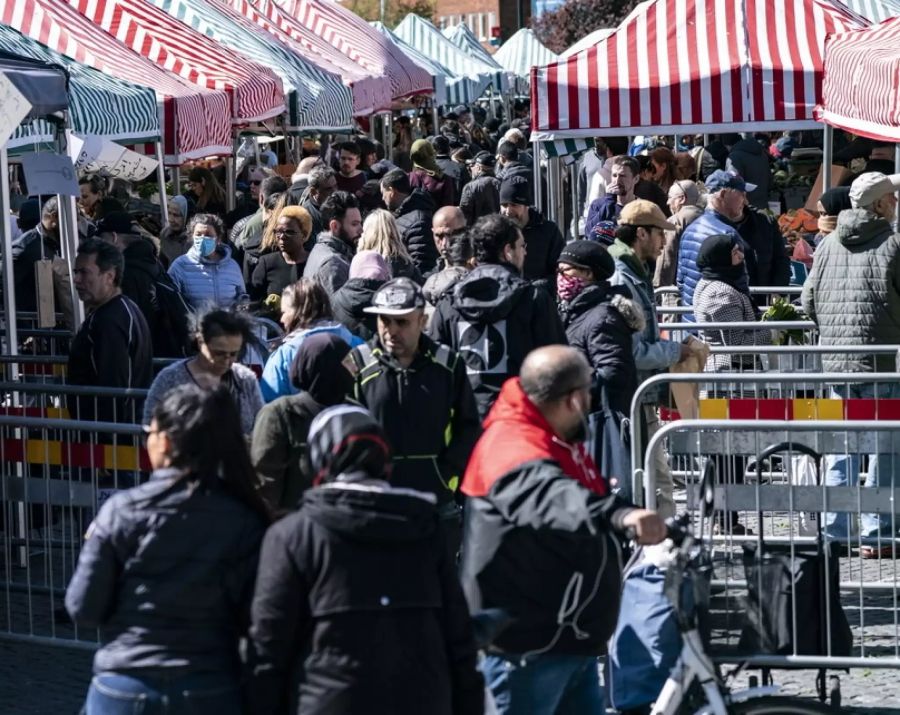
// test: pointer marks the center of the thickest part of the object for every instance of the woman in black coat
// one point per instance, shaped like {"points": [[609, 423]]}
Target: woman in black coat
{"points": [[357, 607]]}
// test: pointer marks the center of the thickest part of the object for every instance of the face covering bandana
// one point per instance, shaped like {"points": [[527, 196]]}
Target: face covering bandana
{"points": [[205, 245], [567, 287]]}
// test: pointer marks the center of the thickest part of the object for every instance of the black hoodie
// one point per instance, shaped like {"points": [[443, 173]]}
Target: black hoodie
{"points": [[414, 223], [359, 587], [348, 302], [493, 319]]}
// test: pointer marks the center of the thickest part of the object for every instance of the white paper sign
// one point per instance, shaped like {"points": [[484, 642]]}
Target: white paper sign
{"points": [[93, 155], [13, 108], [50, 174]]}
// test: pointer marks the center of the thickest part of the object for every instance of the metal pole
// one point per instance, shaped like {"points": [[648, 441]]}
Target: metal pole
{"points": [[538, 198], [231, 171], [827, 152], [897, 171], [389, 137], [161, 180], [9, 295], [576, 210], [68, 230], [436, 116], [176, 182]]}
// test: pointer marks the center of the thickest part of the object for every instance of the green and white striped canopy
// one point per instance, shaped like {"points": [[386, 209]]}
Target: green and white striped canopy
{"points": [[523, 51], [427, 39], [98, 104], [441, 75], [465, 39], [874, 10], [316, 98]]}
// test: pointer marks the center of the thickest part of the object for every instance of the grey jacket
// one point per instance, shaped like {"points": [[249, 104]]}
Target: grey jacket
{"points": [[329, 262], [167, 573], [652, 355], [853, 290]]}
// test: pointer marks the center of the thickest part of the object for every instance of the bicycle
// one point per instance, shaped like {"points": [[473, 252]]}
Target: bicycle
{"points": [[693, 663]]}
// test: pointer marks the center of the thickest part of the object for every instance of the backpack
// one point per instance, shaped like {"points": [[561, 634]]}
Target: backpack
{"points": [[173, 333]]}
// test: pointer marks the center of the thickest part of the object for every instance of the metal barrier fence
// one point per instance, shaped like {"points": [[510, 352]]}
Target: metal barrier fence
{"points": [[76, 402], [55, 475], [778, 506], [769, 292], [49, 368]]}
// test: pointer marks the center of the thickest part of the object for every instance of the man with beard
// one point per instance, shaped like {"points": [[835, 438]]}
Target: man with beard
{"points": [[536, 498], [624, 176], [329, 261], [543, 240]]}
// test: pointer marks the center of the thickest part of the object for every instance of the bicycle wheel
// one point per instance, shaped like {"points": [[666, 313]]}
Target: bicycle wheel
{"points": [[779, 705]]}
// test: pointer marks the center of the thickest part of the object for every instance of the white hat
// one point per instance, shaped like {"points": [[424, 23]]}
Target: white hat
{"points": [[867, 188]]}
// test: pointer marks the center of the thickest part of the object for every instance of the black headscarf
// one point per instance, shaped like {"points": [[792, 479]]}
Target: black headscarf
{"points": [[836, 200], [347, 444], [714, 262], [318, 370]]}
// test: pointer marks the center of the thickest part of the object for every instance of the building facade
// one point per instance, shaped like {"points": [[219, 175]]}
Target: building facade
{"points": [[487, 19]]}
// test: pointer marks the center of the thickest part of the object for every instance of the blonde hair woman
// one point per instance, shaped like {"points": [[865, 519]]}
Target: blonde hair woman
{"points": [[380, 234]]}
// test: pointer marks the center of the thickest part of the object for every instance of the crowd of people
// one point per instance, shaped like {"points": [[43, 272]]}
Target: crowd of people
{"points": [[418, 448]]}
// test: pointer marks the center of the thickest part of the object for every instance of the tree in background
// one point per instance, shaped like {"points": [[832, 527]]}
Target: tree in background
{"points": [[562, 28], [394, 12]]}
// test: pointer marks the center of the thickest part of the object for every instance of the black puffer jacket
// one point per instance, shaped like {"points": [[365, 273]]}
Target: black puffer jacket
{"points": [[600, 322], [360, 585], [348, 303], [414, 223], [494, 318], [167, 573], [543, 243]]}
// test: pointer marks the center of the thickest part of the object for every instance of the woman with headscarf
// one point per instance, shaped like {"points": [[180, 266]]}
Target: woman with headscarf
{"points": [[723, 296], [357, 606], [173, 240], [830, 204], [427, 175], [279, 446]]}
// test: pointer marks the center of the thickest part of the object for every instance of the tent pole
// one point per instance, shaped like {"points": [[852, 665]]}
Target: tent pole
{"points": [[9, 295], [573, 186], [827, 152], [538, 199], [491, 100], [68, 230], [388, 133], [161, 180], [231, 171], [436, 117]]}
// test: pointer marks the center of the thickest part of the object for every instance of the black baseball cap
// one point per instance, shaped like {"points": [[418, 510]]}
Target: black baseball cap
{"points": [[400, 296], [485, 158], [116, 222]]}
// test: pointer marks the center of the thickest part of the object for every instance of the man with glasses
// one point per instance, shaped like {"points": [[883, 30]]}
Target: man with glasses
{"points": [[538, 539], [639, 241]]}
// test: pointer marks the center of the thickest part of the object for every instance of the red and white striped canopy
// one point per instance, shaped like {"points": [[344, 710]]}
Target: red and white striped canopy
{"points": [[370, 92], [256, 92], [861, 87], [196, 121], [693, 66], [361, 42]]}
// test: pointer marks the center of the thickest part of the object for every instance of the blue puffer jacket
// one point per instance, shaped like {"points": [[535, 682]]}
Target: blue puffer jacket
{"points": [[709, 223], [276, 379], [205, 283]]}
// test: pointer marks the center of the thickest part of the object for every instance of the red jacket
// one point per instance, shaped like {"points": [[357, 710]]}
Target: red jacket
{"points": [[515, 433]]}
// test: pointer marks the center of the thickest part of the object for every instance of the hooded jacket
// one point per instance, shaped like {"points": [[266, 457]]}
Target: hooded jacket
{"points": [[853, 290], [441, 190], [493, 319], [536, 499], [166, 573], [329, 262], [359, 588], [440, 283], [544, 243], [749, 159], [427, 410], [769, 264], [203, 282], [348, 304], [414, 223], [600, 322]]}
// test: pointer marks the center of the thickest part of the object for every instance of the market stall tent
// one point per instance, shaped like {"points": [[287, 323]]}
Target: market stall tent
{"points": [[874, 10], [588, 40], [763, 69], [861, 87], [523, 51], [316, 98], [196, 122], [441, 77], [465, 39]]}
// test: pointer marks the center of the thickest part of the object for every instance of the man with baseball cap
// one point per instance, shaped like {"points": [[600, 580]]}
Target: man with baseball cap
{"points": [[639, 241], [418, 390], [543, 240], [724, 208], [853, 294], [481, 196]]}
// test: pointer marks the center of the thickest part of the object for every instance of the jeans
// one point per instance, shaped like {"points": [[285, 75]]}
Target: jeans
{"points": [[843, 469], [192, 694], [545, 685]]}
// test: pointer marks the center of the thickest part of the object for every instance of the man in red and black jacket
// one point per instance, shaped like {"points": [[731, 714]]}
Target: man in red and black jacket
{"points": [[539, 542]]}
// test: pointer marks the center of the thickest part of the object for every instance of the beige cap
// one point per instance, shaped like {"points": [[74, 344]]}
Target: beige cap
{"points": [[867, 188], [644, 213]]}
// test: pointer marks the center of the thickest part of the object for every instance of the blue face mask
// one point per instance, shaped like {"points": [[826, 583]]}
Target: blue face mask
{"points": [[205, 245]]}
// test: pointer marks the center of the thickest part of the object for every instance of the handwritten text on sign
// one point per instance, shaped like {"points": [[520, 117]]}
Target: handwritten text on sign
{"points": [[13, 108]]}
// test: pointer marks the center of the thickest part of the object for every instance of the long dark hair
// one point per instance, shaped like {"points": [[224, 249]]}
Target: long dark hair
{"points": [[206, 443]]}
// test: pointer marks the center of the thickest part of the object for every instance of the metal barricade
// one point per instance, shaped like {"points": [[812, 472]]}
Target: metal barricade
{"points": [[118, 405], [769, 292], [49, 368], [55, 475], [784, 511], [809, 329]]}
